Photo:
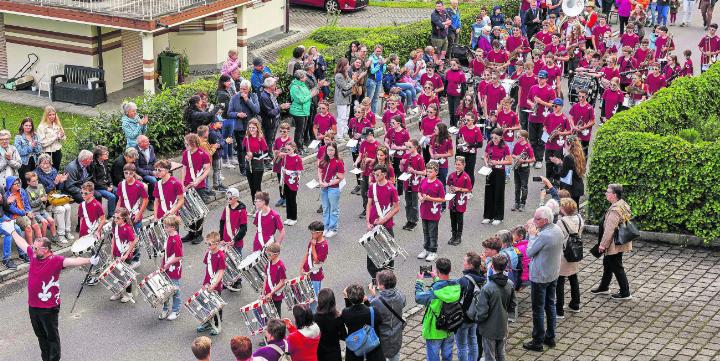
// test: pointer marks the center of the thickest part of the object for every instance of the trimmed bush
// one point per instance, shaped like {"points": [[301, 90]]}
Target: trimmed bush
{"points": [[672, 184]]}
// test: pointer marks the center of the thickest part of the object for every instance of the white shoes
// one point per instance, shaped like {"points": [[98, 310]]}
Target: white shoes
{"points": [[164, 314], [431, 256], [228, 165], [62, 239], [422, 254], [69, 236], [485, 221], [127, 298], [290, 222], [496, 222], [330, 234], [538, 165], [115, 297], [173, 316]]}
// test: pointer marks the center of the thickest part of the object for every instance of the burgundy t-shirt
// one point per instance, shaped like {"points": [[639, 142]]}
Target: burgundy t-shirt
{"points": [[430, 210], [389, 114], [173, 247], [271, 223], [553, 73], [171, 191], [94, 212], [519, 148], [427, 125], [324, 122], [611, 98], [217, 262], [417, 163], [498, 56], [357, 125], [584, 113], [629, 40], [321, 249], [254, 145], [387, 195], [293, 167], [441, 148], [470, 137], [398, 138], [508, 120], [545, 93], [331, 169], [525, 82], [135, 192], [494, 94], [238, 217], [459, 202], [122, 237], [390, 174], [436, 80], [497, 153], [424, 101], [552, 122], [199, 159], [369, 151], [655, 82], [44, 280], [276, 272], [277, 145]]}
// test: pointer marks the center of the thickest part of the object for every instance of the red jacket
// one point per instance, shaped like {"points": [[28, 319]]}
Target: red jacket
{"points": [[303, 343]]}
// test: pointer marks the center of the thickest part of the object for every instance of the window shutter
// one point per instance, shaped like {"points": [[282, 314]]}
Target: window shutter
{"points": [[192, 26], [229, 19]]}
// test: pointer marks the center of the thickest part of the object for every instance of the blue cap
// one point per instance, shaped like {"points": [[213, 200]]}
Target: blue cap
{"points": [[543, 74], [557, 101]]}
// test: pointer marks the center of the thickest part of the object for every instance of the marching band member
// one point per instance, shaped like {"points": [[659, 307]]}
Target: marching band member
{"points": [[508, 121], [455, 78], [256, 151], [172, 265], [525, 82], [383, 203], [522, 154], [427, 127], [90, 212], [582, 115], [413, 164], [643, 55], [460, 184], [383, 158], [268, 222], [518, 46], [642, 91], [655, 79], [469, 140], [365, 161], [369, 114], [312, 265], [466, 106], [559, 50], [605, 46], [395, 138], [544, 36], [500, 56], [431, 75], [214, 260], [554, 73], [481, 87], [323, 121], [392, 112], [539, 97], [493, 94], [275, 277], [664, 44], [599, 30], [357, 125], [441, 151], [331, 172], [431, 196], [328, 138], [477, 64], [233, 225], [278, 156], [169, 191], [197, 168], [428, 97], [132, 195], [709, 47], [688, 69], [497, 156], [292, 167], [609, 71], [123, 246], [629, 38], [557, 125], [626, 65], [672, 69]]}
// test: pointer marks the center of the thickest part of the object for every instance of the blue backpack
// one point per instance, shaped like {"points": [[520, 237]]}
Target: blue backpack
{"points": [[364, 340]]}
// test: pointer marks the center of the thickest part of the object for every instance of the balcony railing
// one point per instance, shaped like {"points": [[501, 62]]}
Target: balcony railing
{"points": [[135, 9]]}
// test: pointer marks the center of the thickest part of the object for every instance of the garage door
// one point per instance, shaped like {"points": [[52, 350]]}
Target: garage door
{"points": [[131, 55], [3, 53]]}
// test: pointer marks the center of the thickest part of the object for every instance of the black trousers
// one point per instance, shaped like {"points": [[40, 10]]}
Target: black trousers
{"points": [[45, 324], [372, 269], [612, 265], [585, 146], [453, 101], [523, 119], [495, 195], [456, 223], [574, 293], [299, 129], [364, 184], [396, 168], [411, 206], [196, 229], [552, 171], [430, 235], [470, 160], [281, 186], [308, 134], [521, 176], [254, 177], [278, 307], [538, 146], [291, 199], [269, 130], [623, 23], [238, 136], [426, 154], [56, 158]]}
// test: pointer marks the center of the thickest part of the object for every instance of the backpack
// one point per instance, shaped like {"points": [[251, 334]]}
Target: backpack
{"points": [[284, 354], [451, 316], [514, 274], [573, 250], [471, 307]]}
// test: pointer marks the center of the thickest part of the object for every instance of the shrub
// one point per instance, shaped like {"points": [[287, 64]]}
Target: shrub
{"points": [[672, 183]]}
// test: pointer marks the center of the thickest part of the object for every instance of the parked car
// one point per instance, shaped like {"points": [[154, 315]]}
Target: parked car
{"points": [[328, 5]]}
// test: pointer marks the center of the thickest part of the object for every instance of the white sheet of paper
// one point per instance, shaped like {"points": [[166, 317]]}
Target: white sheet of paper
{"points": [[314, 144], [485, 171], [312, 184], [356, 171], [392, 152], [449, 196], [424, 140], [352, 143], [545, 136], [405, 176], [453, 130], [568, 178]]}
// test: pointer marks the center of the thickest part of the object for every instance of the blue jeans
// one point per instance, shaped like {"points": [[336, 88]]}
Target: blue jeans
{"points": [[316, 285], [510, 145], [542, 296], [466, 339], [662, 14], [410, 94], [373, 91], [330, 198], [136, 253], [8, 242], [111, 199], [176, 301], [652, 9], [227, 131], [435, 349], [522, 18]]}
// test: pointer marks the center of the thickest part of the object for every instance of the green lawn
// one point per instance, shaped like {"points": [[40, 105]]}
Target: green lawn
{"points": [[286, 52], [11, 115]]}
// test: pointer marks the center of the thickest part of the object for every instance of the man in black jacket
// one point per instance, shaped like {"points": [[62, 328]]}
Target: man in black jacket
{"points": [[129, 156], [145, 165], [270, 109], [440, 23], [78, 174], [243, 106], [533, 20]]}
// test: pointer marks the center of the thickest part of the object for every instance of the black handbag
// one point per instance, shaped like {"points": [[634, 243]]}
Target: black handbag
{"points": [[626, 232]]}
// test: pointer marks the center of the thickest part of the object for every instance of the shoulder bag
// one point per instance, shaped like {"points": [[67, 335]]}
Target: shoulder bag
{"points": [[364, 340]]}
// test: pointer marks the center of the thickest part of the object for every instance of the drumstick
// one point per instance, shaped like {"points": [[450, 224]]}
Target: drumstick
{"points": [[87, 275]]}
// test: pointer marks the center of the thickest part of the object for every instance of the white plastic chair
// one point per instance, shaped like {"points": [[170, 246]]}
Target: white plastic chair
{"points": [[52, 69]]}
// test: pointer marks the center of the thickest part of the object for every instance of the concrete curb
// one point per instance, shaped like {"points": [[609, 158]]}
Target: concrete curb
{"points": [[682, 240]]}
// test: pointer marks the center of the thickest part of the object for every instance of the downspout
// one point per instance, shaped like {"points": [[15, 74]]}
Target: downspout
{"points": [[287, 16], [99, 47]]}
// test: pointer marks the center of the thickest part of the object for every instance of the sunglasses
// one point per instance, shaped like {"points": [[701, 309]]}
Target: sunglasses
{"points": [[128, 173], [85, 193], [160, 169]]}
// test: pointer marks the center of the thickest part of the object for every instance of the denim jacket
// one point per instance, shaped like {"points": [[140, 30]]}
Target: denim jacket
{"points": [[25, 148]]}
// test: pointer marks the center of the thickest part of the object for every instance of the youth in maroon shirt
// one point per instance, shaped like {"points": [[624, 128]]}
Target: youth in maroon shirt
{"points": [[525, 82], [275, 276], [196, 162], [172, 193], [323, 121], [391, 113], [508, 121], [556, 120], [132, 195], [123, 237], [494, 93], [214, 261], [233, 220], [317, 252], [368, 154], [583, 117], [387, 201], [655, 80], [269, 222], [432, 195], [459, 183], [90, 214], [414, 164], [543, 92], [172, 259]]}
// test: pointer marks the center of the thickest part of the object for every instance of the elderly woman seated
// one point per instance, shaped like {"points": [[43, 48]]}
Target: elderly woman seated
{"points": [[59, 203], [132, 125]]}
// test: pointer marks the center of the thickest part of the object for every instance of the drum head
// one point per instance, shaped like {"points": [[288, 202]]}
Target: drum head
{"points": [[250, 260], [83, 244]]}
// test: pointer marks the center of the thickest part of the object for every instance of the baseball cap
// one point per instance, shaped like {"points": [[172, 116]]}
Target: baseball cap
{"points": [[232, 193], [557, 101], [543, 74], [368, 130]]}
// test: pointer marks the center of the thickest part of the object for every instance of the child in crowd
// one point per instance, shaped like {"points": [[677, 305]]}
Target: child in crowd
{"points": [[19, 207], [172, 265], [520, 241], [38, 202], [233, 226], [275, 279], [215, 269], [211, 149]]}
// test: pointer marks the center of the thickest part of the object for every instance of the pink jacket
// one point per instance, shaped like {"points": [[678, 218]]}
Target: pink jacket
{"points": [[229, 65], [522, 247]]}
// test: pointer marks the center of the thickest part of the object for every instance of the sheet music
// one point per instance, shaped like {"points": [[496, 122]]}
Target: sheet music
{"points": [[485, 171], [356, 171], [405, 176], [545, 137], [352, 143], [314, 144], [449, 196], [453, 130], [312, 184]]}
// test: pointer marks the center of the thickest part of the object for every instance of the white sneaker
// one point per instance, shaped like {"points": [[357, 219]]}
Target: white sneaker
{"points": [[228, 165], [422, 254], [431, 257], [69, 236], [234, 162], [115, 297], [330, 234], [496, 222], [173, 316], [164, 314], [222, 178], [127, 298], [538, 165], [290, 222], [485, 221], [62, 239]]}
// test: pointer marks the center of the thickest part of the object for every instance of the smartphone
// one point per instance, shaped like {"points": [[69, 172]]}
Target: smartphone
{"points": [[426, 271], [537, 179]]}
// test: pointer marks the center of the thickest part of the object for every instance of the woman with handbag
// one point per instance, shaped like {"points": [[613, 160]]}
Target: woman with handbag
{"points": [[571, 224], [363, 326], [611, 245]]}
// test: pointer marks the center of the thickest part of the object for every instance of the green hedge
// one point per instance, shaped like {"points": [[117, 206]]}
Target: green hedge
{"points": [[672, 184]]}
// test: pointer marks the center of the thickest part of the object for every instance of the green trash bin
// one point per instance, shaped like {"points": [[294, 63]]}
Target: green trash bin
{"points": [[169, 69]]}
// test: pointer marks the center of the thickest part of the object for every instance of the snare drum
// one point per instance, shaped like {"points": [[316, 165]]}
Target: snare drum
{"points": [[204, 305], [117, 276], [298, 291], [252, 269], [257, 314], [233, 260], [152, 237], [157, 288], [381, 246]]}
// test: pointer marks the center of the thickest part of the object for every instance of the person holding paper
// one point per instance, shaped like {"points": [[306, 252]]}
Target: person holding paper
{"points": [[365, 161], [412, 164], [469, 140], [523, 157], [539, 98], [292, 166], [391, 113], [382, 205], [557, 127], [331, 176], [278, 155], [427, 127], [572, 168], [460, 185], [441, 150], [431, 197], [497, 156], [395, 138]]}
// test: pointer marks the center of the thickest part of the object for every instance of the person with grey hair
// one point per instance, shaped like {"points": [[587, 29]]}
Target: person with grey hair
{"points": [[301, 97], [243, 106], [132, 124], [270, 109], [129, 156], [78, 173], [10, 161], [545, 250]]}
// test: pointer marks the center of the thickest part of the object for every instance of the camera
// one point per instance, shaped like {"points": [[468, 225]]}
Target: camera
{"points": [[426, 271]]}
